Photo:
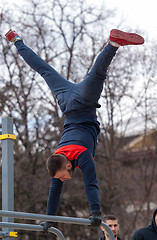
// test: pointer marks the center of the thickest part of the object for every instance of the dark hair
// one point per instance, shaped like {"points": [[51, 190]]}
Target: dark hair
{"points": [[54, 163], [109, 217]]}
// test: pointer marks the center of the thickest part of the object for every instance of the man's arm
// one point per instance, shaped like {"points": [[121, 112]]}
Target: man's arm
{"points": [[53, 200], [87, 165], [54, 196]]}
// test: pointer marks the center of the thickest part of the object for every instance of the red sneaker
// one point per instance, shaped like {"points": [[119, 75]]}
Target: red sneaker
{"points": [[12, 36], [124, 38]]}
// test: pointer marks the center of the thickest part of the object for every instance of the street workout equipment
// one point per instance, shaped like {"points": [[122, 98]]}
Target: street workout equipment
{"points": [[7, 213]]}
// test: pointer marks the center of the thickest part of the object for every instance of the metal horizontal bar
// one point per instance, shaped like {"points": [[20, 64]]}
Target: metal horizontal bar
{"points": [[31, 228], [34, 216], [51, 218]]}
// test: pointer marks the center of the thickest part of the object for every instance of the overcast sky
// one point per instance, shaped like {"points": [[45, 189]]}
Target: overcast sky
{"points": [[136, 13]]}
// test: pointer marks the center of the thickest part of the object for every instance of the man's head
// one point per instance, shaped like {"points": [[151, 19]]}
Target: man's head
{"points": [[59, 166], [112, 222]]}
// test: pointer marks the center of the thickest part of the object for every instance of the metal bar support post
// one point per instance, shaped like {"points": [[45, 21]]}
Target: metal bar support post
{"points": [[7, 138]]}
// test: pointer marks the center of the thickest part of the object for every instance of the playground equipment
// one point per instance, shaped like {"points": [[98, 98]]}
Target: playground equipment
{"points": [[7, 213]]}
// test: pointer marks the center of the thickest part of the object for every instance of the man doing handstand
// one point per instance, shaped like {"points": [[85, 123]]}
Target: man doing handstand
{"points": [[78, 102]]}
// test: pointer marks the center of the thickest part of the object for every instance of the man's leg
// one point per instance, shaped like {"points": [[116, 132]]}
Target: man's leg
{"points": [[91, 87], [54, 80]]}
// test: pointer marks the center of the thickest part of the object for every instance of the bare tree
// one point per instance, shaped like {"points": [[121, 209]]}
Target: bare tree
{"points": [[64, 35], [68, 35]]}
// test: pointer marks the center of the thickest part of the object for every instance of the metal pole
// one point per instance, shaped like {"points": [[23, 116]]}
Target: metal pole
{"points": [[33, 216], [7, 169], [31, 228]]}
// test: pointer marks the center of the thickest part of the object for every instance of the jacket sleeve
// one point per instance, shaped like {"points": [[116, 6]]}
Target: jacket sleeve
{"points": [[54, 196], [87, 166]]}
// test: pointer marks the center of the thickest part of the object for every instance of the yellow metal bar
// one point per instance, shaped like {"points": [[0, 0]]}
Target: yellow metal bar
{"points": [[13, 234], [7, 136]]}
